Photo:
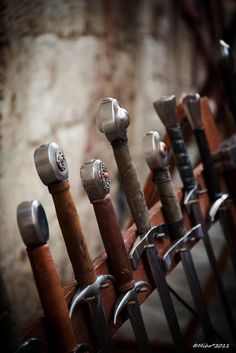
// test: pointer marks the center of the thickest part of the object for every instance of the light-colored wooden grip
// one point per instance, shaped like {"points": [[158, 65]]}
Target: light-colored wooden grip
{"points": [[132, 187], [52, 298], [73, 235]]}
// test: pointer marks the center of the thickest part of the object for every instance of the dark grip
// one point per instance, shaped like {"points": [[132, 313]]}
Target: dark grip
{"points": [[181, 157], [170, 205], [52, 297], [229, 81], [114, 244], [209, 172], [131, 185], [72, 232]]}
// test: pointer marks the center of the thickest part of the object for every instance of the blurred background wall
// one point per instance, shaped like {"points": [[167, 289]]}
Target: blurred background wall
{"points": [[58, 59]]}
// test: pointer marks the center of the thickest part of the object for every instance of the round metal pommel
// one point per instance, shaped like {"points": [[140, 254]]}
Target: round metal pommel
{"points": [[167, 111], [155, 151], [95, 179], [51, 163], [32, 223], [113, 120], [193, 109]]}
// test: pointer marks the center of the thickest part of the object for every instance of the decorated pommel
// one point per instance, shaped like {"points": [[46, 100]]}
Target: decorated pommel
{"points": [[167, 111], [113, 120], [50, 163], [95, 179], [32, 223], [155, 151], [192, 108]]}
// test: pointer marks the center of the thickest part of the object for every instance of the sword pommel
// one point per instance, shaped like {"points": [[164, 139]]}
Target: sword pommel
{"points": [[32, 223], [155, 151], [225, 60], [113, 120], [167, 110], [192, 108], [95, 179], [50, 163]]}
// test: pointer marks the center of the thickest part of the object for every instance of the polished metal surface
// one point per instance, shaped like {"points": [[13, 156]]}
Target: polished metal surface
{"points": [[95, 179], [155, 150], [32, 223], [192, 108], [167, 111], [216, 206], [50, 163]]}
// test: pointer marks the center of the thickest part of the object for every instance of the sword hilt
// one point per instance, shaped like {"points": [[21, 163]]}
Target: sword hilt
{"points": [[167, 111], [156, 157], [52, 169], [193, 110], [96, 183], [33, 227], [113, 122]]}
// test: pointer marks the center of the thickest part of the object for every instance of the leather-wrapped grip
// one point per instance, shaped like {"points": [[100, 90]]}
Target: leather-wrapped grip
{"points": [[72, 232], [114, 244], [181, 157], [209, 172], [170, 205], [52, 298], [131, 185]]}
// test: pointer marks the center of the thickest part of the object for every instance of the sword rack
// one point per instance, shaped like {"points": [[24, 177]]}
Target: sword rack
{"points": [[38, 326]]}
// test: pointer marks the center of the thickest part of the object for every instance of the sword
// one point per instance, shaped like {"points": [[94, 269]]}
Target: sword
{"points": [[33, 226], [166, 109], [96, 183], [113, 122], [52, 168], [193, 110]]}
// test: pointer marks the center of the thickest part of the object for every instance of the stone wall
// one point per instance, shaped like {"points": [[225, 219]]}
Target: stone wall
{"points": [[59, 58]]}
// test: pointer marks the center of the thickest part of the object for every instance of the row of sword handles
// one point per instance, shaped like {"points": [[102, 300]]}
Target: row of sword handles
{"points": [[52, 168]]}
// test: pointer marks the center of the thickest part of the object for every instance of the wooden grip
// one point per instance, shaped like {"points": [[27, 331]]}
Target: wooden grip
{"points": [[73, 235], [131, 185], [52, 298], [114, 244]]}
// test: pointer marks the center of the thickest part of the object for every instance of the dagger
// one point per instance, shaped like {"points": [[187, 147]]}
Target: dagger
{"points": [[52, 168], [113, 121], [33, 226], [96, 182], [166, 109]]}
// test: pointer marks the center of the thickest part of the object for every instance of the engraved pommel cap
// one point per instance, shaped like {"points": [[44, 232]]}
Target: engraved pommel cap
{"points": [[50, 163], [167, 110], [95, 179], [113, 120], [192, 107], [155, 151], [32, 223]]}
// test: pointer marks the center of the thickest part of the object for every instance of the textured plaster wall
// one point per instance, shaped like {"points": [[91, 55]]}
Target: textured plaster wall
{"points": [[58, 60]]}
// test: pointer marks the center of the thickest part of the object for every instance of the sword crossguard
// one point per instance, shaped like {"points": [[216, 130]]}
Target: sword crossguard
{"points": [[95, 179], [32, 223], [180, 245], [91, 291], [31, 345], [189, 195], [216, 206], [113, 120], [51, 163], [127, 297], [148, 240]]}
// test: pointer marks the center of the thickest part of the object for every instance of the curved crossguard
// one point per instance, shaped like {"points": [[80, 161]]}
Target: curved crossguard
{"points": [[52, 168], [34, 231]]}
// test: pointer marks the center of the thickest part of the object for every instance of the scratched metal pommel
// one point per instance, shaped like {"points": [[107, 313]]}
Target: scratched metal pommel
{"points": [[167, 110], [32, 223], [95, 179], [113, 120], [155, 151], [192, 108], [50, 163]]}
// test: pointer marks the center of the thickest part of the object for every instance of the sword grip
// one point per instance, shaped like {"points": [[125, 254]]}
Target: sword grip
{"points": [[114, 244], [170, 205], [181, 157], [209, 171], [131, 185], [52, 297], [72, 232]]}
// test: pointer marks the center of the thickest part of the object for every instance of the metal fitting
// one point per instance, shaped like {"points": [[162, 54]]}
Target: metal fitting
{"points": [[155, 151]]}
